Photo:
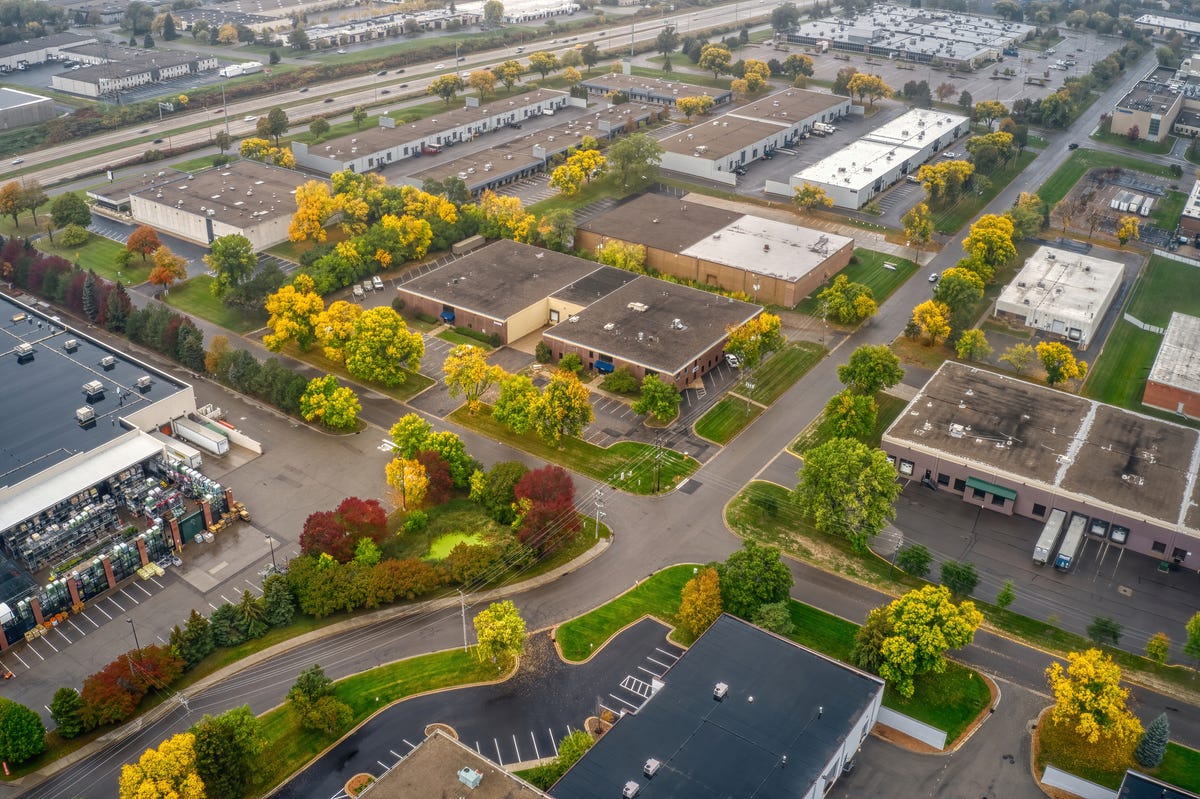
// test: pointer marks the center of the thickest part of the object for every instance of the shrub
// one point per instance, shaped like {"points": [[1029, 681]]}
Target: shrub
{"points": [[426, 318], [74, 236], [960, 578], [416, 522], [397, 304], [542, 352], [620, 381], [571, 362], [914, 559]]}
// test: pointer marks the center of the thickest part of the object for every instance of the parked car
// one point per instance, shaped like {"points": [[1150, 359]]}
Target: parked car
{"points": [[732, 360], [377, 282], [368, 285], [341, 51], [358, 292], [304, 90]]}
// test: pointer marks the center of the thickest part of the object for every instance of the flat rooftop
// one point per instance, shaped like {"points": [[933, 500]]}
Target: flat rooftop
{"points": [[1188, 25], [857, 165], [432, 770], [1149, 95], [594, 286], [660, 222], [767, 247], [1067, 285], [14, 98], [1192, 206], [41, 43], [240, 194], [783, 700], [118, 191], [714, 139], [155, 59], [501, 279], [914, 127], [1178, 361], [789, 106], [478, 168], [1139, 786], [1031, 432], [38, 428], [659, 325], [653, 87]]}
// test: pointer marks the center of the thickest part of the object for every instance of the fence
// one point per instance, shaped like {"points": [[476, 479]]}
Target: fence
{"points": [[916, 729], [1133, 320], [1176, 257], [1076, 785]]}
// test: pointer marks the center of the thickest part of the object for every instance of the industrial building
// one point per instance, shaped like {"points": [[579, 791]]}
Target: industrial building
{"points": [[744, 713], [914, 34], [655, 91], [715, 148], [88, 495], [115, 195], [152, 66], [17, 55], [1063, 293], [379, 147], [1174, 381], [1139, 786], [1151, 107], [1014, 447], [245, 197], [18, 109], [443, 766], [864, 168], [1157, 25], [1189, 220], [776, 263], [649, 326]]}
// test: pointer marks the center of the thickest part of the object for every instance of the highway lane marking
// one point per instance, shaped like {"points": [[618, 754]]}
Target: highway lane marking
{"points": [[553, 742], [129, 596], [81, 632], [110, 599], [537, 755], [499, 759], [143, 590], [89, 618]]}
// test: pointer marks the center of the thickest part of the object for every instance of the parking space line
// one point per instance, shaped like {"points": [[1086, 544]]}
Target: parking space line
{"points": [[499, 759], [536, 754], [144, 591], [89, 618], [623, 702], [105, 612], [47, 640], [18, 657], [160, 638], [225, 598], [411, 745], [395, 754], [64, 635], [211, 605], [118, 604], [652, 673], [253, 587], [156, 582], [517, 748], [657, 662], [553, 742], [129, 596], [385, 768]]}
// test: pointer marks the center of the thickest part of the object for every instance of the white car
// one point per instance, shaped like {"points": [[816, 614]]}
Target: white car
{"points": [[16, 161], [250, 118], [341, 51], [440, 66], [377, 281], [732, 360], [935, 277]]}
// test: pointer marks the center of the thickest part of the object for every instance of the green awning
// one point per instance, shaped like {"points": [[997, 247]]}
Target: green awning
{"points": [[991, 488]]}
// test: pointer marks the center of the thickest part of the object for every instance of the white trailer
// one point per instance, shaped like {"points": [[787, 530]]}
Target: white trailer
{"points": [[1068, 553], [179, 451], [250, 67], [1147, 206], [1048, 540], [231, 71], [204, 437]]}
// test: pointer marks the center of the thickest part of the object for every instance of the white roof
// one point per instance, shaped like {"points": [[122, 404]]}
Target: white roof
{"points": [[1072, 286], [916, 127], [1178, 361], [857, 165], [43, 490], [768, 247], [1192, 207], [1169, 22]]}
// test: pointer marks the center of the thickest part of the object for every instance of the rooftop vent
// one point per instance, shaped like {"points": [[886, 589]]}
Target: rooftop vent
{"points": [[108, 362], [24, 352], [70, 345], [651, 768], [143, 383], [19, 317], [720, 691], [630, 790], [85, 416], [470, 777], [640, 307], [93, 390]]}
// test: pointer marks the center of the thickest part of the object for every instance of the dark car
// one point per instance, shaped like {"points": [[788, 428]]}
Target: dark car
{"points": [[741, 170], [158, 141], [848, 767], [381, 72], [403, 85], [400, 70], [329, 99], [1073, 145], [515, 125], [303, 89], [385, 91]]}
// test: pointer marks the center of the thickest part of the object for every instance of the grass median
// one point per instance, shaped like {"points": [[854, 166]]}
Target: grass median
{"points": [[633, 459], [195, 297], [1059, 746]]}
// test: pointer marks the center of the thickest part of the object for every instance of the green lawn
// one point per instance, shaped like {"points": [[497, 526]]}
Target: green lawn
{"points": [[194, 164], [1141, 145], [1168, 210], [1083, 159], [1180, 767], [195, 297], [289, 747], [100, 254], [634, 459], [950, 220], [441, 546], [292, 250], [780, 372], [586, 196], [1036, 141], [949, 701], [657, 596], [1118, 376], [726, 419], [888, 407], [868, 269], [1165, 286], [454, 337]]}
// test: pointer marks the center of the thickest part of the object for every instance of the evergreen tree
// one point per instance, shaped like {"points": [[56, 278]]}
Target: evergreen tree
{"points": [[169, 28], [278, 603], [225, 629], [251, 617], [1153, 745], [91, 298], [194, 641], [117, 309], [66, 709]]}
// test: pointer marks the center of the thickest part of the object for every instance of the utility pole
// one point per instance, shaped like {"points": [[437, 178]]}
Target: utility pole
{"points": [[658, 456], [462, 599], [136, 643], [599, 500], [225, 105]]}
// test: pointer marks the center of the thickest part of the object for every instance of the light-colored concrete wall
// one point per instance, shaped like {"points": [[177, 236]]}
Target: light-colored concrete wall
{"points": [[527, 321]]}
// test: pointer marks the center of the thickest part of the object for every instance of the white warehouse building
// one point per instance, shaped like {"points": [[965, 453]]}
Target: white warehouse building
{"points": [[852, 176], [1062, 293]]}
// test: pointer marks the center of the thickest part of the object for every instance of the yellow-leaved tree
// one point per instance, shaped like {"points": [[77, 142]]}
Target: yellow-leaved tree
{"points": [[932, 319], [751, 341], [335, 327], [468, 373], [168, 772], [1088, 698], [314, 206], [408, 481], [700, 602], [505, 217], [294, 310]]}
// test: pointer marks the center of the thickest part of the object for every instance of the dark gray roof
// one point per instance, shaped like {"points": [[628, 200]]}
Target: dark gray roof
{"points": [[1139, 786], [38, 427], [33, 45], [501, 279], [597, 285], [659, 325], [735, 747], [660, 222]]}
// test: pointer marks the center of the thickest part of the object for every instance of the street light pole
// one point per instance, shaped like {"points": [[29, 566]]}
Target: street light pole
{"points": [[271, 542], [136, 644]]}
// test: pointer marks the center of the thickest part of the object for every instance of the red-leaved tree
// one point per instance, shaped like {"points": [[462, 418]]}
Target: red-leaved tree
{"points": [[551, 515], [338, 532], [143, 241], [437, 471]]}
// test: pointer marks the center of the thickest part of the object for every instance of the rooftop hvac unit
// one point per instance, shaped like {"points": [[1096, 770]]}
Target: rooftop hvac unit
{"points": [[93, 390], [630, 790], [108, 362], [24, 352], [143, 383], [70, 345], [651, 768], [470, 777], [85, 416], [720, 691]]}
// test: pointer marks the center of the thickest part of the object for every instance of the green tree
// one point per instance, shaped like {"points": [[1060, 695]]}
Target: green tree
{"points": [[69, 208], [493, 489], [1089, 699], [233, 260], [333, 405], [1153, 744], [659, 398], [194, 641], [509, 73], [1028, 216], [318, 127], [227, 747], [871, 369], [973, 345], [311, 684], [33, 196], [700, 602], [797, 65], [666, 43], [277, 123], [279, 606], [921, 627], [1191, 645], [849, 415], [359, 116], [67, 711], [563, 408], [1006, 595], [847, 302], [556, 229], [868, 641], [409, 435], [446, 86], [500, 633], [918, 225], [847, 488], [222, 140], [633, 161], [960, 578], [959, 289], [785, 17], [251, 617], [516, 405], [914, 559], [776, 617], [1104, 630], [1018, 356], [590, 55], [383, 347], [493, 12], [751, 577]]}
